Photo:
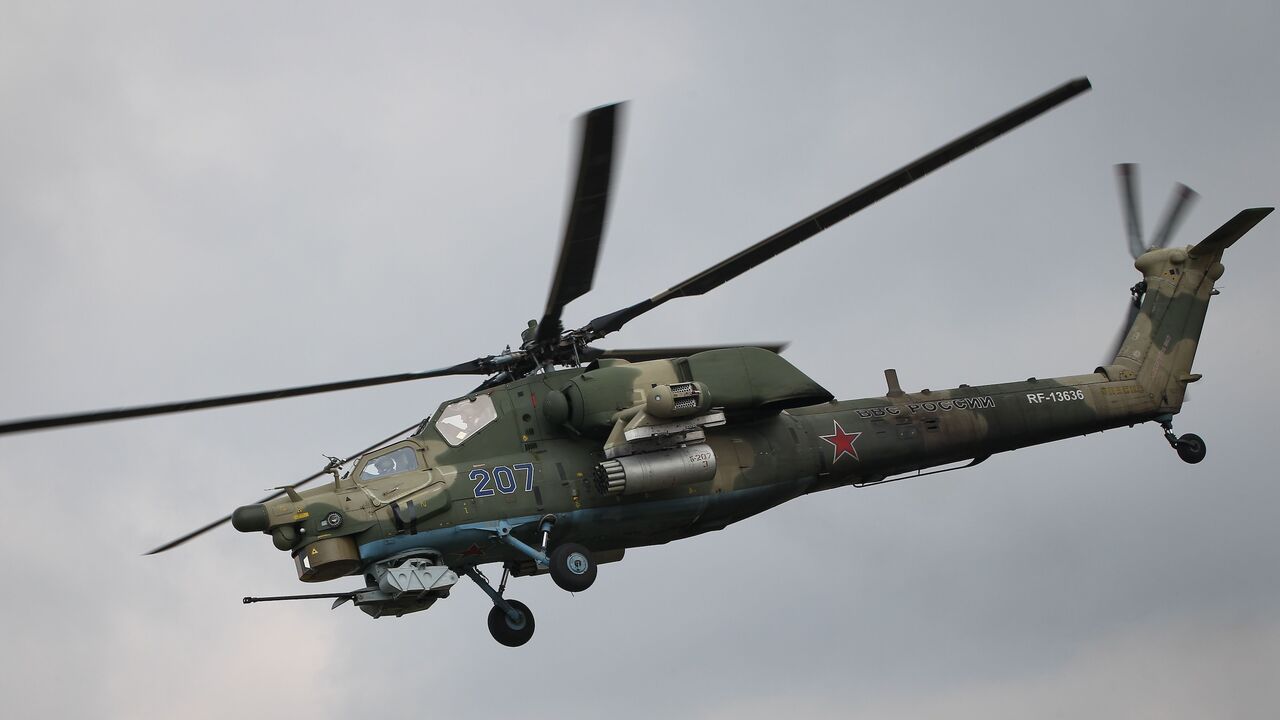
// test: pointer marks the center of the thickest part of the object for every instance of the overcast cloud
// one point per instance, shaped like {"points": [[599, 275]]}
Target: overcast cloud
{"points": [[213, 198]]}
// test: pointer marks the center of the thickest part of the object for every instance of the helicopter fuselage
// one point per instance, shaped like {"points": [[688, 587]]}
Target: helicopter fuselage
{"points": [[618, 455], [760, 463], [519, 469]]}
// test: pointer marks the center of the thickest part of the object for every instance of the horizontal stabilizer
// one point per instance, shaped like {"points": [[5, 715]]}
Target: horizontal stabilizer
{"points": [[1231, 231]]}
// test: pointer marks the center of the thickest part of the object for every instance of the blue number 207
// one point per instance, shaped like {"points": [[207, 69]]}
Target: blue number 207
{"points": [[502, 477]]}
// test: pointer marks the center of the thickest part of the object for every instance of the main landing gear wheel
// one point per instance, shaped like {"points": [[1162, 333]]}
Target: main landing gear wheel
{"points": [[572, 567], [1190, 448], [512, 633]]}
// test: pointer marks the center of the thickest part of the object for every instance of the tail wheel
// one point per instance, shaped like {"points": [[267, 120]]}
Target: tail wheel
{"points": [[1191, 448], [512, 633], [572, 567]]}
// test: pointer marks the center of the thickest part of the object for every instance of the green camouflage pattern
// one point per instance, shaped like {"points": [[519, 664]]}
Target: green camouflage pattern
{"points": [[782, 436]]}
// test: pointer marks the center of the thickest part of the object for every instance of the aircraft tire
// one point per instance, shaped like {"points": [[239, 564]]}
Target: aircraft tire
{"points": [[1191, 448], [572, 567], [507, 632]]}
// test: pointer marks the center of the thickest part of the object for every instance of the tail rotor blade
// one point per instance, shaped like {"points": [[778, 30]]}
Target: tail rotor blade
{"points": [[1127, 175], [1182, 200], [1130, 316]]}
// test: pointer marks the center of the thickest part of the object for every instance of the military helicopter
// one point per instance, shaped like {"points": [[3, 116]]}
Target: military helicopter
{"points": [[566, 454]]}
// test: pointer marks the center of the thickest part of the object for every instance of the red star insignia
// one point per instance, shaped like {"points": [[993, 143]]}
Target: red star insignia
{"points": [[843, 442], [473, 550]]}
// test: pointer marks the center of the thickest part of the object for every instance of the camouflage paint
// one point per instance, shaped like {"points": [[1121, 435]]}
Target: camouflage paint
{"points": [[784, 437]]}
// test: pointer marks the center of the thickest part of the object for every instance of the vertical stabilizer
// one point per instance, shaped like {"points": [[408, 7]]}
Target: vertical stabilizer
{"points": [[1177, 285]]}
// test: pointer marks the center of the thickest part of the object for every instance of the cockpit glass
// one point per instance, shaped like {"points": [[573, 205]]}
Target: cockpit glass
{"points": [[460, 420], [393, 463]]}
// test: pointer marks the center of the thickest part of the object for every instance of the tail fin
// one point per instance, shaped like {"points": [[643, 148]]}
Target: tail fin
{"points": [[1161, 343]]}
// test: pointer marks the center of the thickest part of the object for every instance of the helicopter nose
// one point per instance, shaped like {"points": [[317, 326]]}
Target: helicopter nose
{"points": [[251, 518]]}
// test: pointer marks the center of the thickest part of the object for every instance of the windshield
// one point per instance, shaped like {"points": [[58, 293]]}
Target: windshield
{"points": [[460, 420], [393, 463]]}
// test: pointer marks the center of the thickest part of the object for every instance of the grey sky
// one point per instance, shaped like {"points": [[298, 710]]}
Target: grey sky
{"points": [[202, 200]]}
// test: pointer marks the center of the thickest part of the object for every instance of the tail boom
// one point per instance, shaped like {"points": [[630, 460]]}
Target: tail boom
{"points": [[866, 441]]}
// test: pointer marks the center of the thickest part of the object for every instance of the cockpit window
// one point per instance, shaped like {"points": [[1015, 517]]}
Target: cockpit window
{"points": [[393, 463], [460, 420]]}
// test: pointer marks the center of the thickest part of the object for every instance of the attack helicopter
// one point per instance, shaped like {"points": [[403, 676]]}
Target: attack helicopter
{"points": [[566, 455]]}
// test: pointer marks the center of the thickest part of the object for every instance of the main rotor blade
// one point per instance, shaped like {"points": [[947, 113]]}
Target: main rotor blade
{"points": [[584, 227], [1130, 315], [1127, 175], [472, 367], [304, 481], [661, 353], [1182, 200], [790, 237]]}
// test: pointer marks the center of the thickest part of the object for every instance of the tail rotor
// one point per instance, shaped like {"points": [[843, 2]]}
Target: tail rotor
{"points": [[1181, 201], [1127, 175]]}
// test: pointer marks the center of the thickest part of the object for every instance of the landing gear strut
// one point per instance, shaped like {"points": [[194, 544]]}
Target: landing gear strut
{"points": [[510, 621], [1190, 447], [571, 565]]}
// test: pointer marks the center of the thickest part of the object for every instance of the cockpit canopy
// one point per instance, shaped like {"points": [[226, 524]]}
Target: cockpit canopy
{"points": [[400, 460], [464, 418]]}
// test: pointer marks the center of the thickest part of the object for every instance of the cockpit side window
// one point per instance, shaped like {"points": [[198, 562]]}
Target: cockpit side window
{"points": [[460, 420], [393, 463]]}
